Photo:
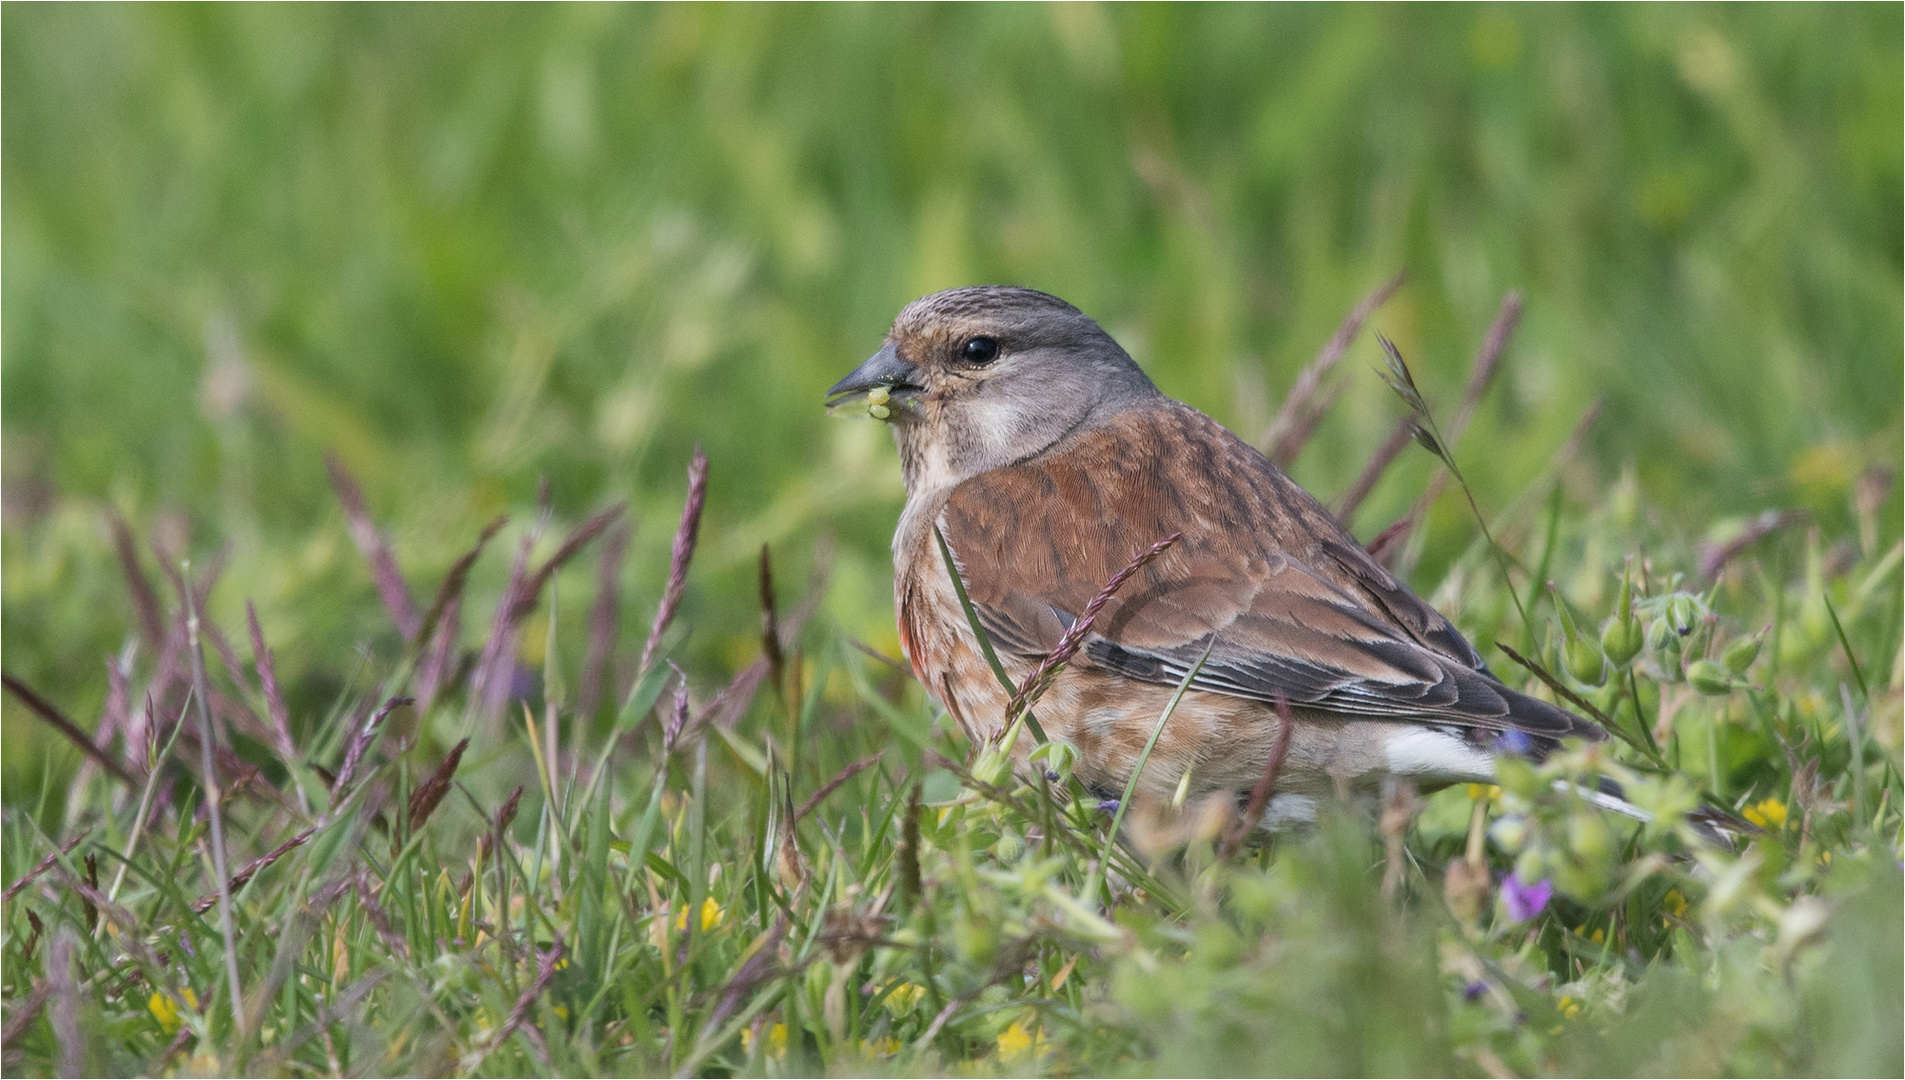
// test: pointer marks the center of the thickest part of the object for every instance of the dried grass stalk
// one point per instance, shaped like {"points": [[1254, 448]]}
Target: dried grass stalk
{"points": [[1266, 784], [424, 800], [1391, 448], [360, 744], [57, 720], [683, 553], [391, 587], [21, 1016], [451, 591], [495, 671], [1304, 407], [435, 664], [1714, 557], [145, 602], [278, 712], [67, 1005], [1419, 424], [495, 668], [605, 617], [250, 869], [1043, 676], [42, 866], [771, 650], [820, 794], [518, 1015]]}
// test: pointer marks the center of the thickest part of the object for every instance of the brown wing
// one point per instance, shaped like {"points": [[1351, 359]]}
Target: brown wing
{"points": [[1285, 599]]}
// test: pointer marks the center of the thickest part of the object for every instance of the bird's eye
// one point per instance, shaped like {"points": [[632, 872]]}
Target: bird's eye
{"points": [[979, 350]]}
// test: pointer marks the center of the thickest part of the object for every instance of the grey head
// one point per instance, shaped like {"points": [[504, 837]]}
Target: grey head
{"points": [[983, 377]]}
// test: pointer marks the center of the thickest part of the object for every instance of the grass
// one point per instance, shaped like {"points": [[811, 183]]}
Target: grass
{"points": [[371, 316], [807, 871]]}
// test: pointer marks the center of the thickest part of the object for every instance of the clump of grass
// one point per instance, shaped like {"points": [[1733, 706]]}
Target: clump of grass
{"points": [[825, 878]]}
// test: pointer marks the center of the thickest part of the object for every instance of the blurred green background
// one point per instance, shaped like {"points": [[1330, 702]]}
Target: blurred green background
{"points": [[469, 246]]}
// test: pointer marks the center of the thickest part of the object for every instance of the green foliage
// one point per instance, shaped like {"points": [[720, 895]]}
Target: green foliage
{"points": [[469, 248], [668, 908]]}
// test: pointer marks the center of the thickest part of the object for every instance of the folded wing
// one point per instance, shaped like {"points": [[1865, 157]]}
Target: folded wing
{"points": [[1287, 602]]}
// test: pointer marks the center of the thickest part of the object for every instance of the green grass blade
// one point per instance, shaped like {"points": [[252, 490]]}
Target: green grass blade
{"points": [[1131, 782]]}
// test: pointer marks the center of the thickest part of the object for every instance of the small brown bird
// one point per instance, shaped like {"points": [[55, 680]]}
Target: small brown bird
{"points": [[1048, 460]]}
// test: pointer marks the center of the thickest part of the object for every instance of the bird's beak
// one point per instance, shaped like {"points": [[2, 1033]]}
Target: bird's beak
{"points": [[883, 368]]}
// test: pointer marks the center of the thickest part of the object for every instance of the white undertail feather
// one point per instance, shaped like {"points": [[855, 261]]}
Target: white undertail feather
{"points": [[1447, 757], [1605, 801], [1442, 756]]}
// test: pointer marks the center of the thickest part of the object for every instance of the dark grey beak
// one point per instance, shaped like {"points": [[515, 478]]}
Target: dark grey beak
{"points": [[883, 368]]}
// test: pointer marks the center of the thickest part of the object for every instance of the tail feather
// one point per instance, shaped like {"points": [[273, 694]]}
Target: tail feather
{"points": [[1711, 823]]}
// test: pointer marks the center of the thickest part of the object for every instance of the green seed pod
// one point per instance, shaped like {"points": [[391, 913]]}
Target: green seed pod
{"points": [[1621, 640], [993, 765], [1683, 611], [1660, 636], [1579, 653], [1740, 654], [879, 395], [1554, 652], [1585, 662], [879, 412], [1057, 758], [1709, 678], [1009, 848]]}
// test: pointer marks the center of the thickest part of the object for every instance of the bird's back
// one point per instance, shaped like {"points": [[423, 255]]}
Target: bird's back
{"points": [[1285, 599]]}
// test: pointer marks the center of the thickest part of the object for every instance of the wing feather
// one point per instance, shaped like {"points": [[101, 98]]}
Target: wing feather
{"points": [[1285, 599]]}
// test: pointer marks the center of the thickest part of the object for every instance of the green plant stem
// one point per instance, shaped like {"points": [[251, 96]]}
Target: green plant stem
{"points": [[1092, 882]]}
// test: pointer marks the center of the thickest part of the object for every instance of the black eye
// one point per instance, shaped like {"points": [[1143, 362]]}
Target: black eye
{"points": [[979, 350]]}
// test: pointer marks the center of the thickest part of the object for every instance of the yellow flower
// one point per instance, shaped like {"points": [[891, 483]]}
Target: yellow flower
{"points": [[711, 915], [885, 1047], [1480, 791], [776, 1041], [904, 998], [1016, 1042], [1569, 1007], [1767, 814], [165, 1008], [1676, 903]]}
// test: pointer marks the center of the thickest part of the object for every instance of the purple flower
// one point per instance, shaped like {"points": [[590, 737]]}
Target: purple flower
{"points": [[1474, 990], [1514, 742], [1525, 901]]}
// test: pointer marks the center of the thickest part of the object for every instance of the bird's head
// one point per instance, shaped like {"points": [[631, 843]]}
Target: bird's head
{"points": [[978, 378]]}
